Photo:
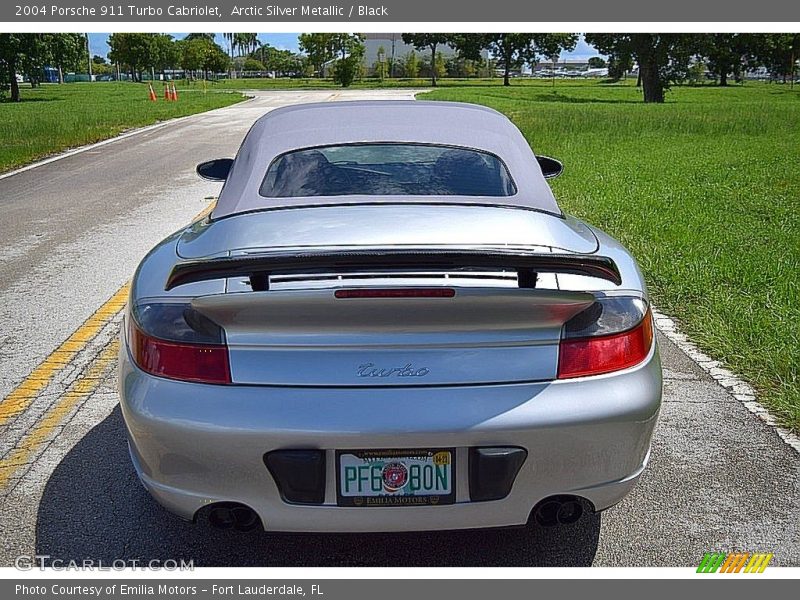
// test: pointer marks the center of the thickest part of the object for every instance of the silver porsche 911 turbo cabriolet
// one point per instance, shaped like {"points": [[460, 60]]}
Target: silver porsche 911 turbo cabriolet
{"points": [[386, 323]]}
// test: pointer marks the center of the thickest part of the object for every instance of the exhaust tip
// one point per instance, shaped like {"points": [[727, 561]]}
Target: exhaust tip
{"points": [[232, 515], [558, 510]]}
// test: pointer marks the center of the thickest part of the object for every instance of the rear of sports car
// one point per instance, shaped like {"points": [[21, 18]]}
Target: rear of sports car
{"points": [[389, 368]]}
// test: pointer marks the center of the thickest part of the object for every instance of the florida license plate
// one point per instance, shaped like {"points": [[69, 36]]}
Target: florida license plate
{"points": [[418, 477]]}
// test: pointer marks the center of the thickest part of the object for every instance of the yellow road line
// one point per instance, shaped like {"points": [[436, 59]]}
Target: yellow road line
{"points": [[80, 389], [25, 393], [21, 397]]}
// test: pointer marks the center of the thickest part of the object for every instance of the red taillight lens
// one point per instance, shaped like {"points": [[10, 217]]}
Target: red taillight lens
{"points": [[196, 352], [600, 349]]}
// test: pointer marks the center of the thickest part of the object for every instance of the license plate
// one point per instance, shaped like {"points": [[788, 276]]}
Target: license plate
{"points": [[417, 477]]}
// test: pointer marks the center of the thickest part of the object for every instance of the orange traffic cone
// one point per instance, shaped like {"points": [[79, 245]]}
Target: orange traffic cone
{"points": [[152, 93], [174, 93], [167, 95]]}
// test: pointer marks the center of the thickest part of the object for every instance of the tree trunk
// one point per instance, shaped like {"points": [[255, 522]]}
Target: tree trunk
{"points": [[12, 71], [639, 78], [60, 75], [652, 86], [506, 69], [433, 65], [723, 77]]}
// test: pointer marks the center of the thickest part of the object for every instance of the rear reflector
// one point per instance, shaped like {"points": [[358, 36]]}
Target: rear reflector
{"points": [[397, 293], [604, 354], [203, 363]]}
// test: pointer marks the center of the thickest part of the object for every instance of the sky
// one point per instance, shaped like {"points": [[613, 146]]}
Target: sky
{"points": [[288, 41]]}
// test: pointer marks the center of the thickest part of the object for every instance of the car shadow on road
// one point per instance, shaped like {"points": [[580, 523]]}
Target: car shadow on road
{"points": [[93, 507]]}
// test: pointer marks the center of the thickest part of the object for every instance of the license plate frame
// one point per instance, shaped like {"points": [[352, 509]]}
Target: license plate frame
{"points": [[396, 455]]}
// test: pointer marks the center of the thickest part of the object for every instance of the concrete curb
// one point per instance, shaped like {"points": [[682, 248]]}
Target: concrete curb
{"points": [[739, 389]]}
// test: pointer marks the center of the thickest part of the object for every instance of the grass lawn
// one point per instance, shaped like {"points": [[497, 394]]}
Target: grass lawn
{"points": [[55, 117], [704, 190]]}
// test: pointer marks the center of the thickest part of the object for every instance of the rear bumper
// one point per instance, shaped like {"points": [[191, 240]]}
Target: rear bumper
{"points": [[194, 445]]}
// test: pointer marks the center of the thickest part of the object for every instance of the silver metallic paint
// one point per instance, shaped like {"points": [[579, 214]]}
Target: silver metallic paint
{"points": [[295, 352]]}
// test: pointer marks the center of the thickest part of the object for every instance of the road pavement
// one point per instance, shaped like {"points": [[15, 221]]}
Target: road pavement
{"points": [[73, 232]]}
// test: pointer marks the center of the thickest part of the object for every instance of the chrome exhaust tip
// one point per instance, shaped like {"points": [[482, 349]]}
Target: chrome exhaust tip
{"points": [[231, 515], [558, 510]]}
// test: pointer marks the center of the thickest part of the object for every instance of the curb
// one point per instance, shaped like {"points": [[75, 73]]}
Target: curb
{"points": [[736, 387]]}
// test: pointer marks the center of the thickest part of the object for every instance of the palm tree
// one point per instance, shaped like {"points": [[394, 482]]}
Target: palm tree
{"points": [[246, 42], [231, 38], [198, 36]]}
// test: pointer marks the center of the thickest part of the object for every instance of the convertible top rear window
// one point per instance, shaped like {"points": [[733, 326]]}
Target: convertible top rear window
{"points": [[402, 169]]}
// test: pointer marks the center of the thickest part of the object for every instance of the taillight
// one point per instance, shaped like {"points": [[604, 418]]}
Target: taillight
{"points": [[612, 334], [396, 293], [173, 340]]}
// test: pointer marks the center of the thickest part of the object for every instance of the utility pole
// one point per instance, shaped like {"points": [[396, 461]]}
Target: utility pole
{"points": [[391, 66], [89, 54]]}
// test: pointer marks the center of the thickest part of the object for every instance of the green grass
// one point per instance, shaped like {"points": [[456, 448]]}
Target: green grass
{"points": [[704, 190], [55, 117]]}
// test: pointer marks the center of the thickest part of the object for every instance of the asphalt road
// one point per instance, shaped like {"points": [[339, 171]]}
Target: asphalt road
{"points": [[74, 230]]}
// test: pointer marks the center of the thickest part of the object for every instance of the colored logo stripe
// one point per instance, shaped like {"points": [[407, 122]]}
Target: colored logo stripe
{"points": [[733, 563], [758, 563]]}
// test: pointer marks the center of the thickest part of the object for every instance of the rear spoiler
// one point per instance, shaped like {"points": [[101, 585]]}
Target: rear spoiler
{"points": [[259, 267]]}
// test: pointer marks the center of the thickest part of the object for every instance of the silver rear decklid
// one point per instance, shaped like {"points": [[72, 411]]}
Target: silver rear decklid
{"points": [[311, 337]]}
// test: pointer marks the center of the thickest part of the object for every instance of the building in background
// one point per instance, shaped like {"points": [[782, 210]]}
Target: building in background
{"points": [[396, 49]]}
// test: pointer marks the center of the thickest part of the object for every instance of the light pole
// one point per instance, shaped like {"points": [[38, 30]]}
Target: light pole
{"points": [[89, 54], [391, 69]]}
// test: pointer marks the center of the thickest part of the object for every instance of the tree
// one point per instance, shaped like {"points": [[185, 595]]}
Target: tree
{"points": [[516, 49], [345, 70], [251, 64], [619, 65], [663, 58], [201, 36], [246, 42], [23, 53], [215, 60], [165, 52], [231, 39], [411, 65], [778, 52], [422, 41], [202, 54], [439, 68], [350, 49], [461, 67], [319, 47], [192, 55], [65, 51], [281, 62], [134, 51], [596, 62], [727, 53]]}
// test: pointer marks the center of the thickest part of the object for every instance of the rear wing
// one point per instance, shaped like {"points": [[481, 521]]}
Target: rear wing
{"points": [[259, 267]]}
